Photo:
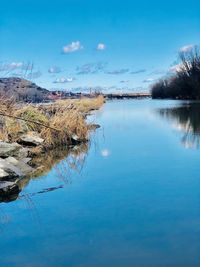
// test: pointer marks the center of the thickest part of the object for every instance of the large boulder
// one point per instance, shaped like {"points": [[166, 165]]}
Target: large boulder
{"points": [[30, 139], [14, 168], [21, 165], [23, 153], [8, 149], [3, 174], [10, 169]]}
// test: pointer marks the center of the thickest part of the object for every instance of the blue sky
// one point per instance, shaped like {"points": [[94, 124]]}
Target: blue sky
{"points": [[112, 44]]}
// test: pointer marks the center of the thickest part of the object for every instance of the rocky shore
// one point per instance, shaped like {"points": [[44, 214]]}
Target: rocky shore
{"points": [[28, 132], [22, 159], [16, 162]]}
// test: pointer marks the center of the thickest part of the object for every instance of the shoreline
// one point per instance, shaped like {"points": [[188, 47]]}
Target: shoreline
{"points": [[23, 153]]}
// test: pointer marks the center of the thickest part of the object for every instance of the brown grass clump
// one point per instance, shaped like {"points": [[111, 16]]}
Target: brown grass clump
{"points": [[31, 114], [71, 123], [60, 123], [86, 105], [83, 105]]}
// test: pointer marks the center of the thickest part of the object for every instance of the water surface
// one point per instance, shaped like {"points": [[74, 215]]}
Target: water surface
{"points": [[130, 199]]}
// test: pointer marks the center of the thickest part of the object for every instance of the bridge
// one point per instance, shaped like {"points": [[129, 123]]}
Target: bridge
{"points": [[127, 95]]}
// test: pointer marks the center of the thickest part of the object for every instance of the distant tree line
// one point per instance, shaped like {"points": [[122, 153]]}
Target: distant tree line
{"points": [[185, 84]]}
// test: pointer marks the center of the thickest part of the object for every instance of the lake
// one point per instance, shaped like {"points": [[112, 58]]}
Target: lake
{"points": [[129, 198]]}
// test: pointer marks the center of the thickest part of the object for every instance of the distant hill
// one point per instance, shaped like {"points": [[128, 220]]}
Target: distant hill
{"points": [[22, 90]]}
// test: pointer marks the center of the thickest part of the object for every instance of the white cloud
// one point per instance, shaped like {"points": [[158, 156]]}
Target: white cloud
{"points": [[179, 67], [11, 66], [186, 48], [101, 46], [15, 65], [73, 47], [64, 80]]}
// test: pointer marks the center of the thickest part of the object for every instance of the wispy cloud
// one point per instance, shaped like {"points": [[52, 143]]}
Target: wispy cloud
{"points": [[54, 69], [124, 81], [64, 80], [186, 48], [101, 46], [16, 66], [149, 80], [91, 68], [158, 72], [34, 75], [11, 66], [138, 71], [73, 47], [117, 72]]}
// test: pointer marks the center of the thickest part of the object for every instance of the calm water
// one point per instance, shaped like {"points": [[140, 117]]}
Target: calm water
{"points": [[131, 199]]}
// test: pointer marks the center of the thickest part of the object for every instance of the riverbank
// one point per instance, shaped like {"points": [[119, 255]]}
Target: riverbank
{"points": [[29, 132], [184, 84]]}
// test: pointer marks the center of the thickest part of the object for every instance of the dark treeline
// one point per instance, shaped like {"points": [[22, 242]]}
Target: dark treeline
{"points": [[185, 84]]}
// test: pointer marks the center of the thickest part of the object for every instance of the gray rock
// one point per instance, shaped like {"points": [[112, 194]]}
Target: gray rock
{"points": [[11, 169], [14, 168], [8, 149], [5, 184], [3, 174], [23, 153], [75, 139], [24, 168], [31, 139], [26, 160]]}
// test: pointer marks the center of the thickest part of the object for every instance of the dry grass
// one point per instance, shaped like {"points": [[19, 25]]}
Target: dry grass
{"points": [[56, 123], [70, 123], [83, 105]]}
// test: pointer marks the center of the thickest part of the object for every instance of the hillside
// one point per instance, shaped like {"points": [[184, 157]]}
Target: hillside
{"points": [[22, 90]]}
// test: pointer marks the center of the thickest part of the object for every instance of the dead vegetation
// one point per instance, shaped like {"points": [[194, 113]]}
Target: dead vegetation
{"points": [[83, 105], [58, 123]]}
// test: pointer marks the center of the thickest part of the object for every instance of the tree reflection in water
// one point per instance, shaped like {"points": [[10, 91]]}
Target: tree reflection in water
{"points": [[187, 120]]}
